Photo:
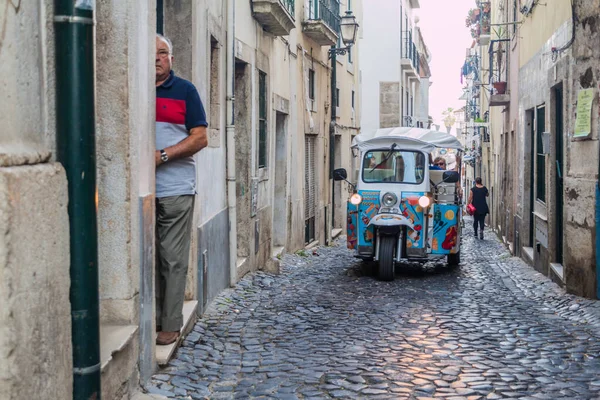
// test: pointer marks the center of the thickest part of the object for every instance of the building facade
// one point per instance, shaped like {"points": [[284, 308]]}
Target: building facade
{"points": [[401, 83], [264, 183], [539, 108]]}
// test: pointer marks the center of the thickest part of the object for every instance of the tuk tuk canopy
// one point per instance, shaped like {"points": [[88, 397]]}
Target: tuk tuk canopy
{"points": [[406, 138]]}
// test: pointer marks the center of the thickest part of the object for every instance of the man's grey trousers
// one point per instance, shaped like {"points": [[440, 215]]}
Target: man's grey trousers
{"points": [[173, 236]]}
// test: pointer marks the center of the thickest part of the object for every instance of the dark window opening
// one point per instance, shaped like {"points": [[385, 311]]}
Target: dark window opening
{"points": [[311, 84], [262, 120], [540, 176], [160, 17]]}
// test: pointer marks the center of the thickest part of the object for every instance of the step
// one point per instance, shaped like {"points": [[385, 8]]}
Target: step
{"points": [[114, 338], [118, 358], [164, 353], [336, 232], [277, 251], [528, 251], [311, 245], [558, 271]]}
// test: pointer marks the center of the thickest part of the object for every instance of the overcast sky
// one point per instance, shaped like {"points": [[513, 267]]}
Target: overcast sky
{"points": [[443, 25]]}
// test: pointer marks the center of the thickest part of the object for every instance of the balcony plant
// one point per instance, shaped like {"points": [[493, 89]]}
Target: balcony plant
{"points": [[500, 87]]}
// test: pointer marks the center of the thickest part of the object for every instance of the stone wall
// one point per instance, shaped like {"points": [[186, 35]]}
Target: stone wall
{"points": [[35, 317], [35, 320], [583, 157], [389, 104]]}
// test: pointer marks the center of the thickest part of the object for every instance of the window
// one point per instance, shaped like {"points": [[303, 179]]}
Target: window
{"points": [[353, 99], [540, 158], [350, 55], [160, 17], [311, 84], [515, 16], [262, 120], [393, 166], [337, 97]]}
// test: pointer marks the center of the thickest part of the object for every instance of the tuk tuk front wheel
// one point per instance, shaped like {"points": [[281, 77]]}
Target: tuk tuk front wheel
{"points": [[386, 258], [454, 259]]}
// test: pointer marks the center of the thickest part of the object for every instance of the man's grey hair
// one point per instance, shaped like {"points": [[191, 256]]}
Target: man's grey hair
{"points": [[167, 41]]}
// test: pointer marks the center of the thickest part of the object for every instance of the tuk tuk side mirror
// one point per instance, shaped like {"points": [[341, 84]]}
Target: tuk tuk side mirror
{"points": [[340, 174], [451, 177]]}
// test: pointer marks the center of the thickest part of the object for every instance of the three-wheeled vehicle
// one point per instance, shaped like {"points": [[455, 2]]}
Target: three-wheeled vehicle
{"points": [[402, 208]]}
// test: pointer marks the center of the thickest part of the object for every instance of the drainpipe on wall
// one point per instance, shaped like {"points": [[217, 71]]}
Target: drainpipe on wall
{"points": [[75, 131], [332, 137], [231, 173]]}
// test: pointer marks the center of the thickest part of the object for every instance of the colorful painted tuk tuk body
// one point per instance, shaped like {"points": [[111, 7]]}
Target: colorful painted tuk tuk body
{"points": [[402, 209]]}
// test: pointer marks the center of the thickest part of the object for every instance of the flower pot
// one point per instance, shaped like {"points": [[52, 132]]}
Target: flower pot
{"points": [[500, 87]]}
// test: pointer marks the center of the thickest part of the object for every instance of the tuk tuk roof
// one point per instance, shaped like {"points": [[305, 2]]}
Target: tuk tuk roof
{"points": [[406, 138]]}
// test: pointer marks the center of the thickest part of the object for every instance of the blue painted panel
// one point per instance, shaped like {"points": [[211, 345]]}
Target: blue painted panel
{"points": [[367, 210], [411, 209], [445, 229]]}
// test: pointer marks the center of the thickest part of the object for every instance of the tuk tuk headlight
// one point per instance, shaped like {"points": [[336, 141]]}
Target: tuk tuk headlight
{"points": [[355, 199], [424, 201], [389, 199]]}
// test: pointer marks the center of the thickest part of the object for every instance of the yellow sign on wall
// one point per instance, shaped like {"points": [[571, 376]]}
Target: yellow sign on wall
{"points": [[583, 122]]}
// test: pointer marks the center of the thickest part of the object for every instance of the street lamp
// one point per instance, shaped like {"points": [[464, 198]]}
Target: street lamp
{"points": [[348, 29]]}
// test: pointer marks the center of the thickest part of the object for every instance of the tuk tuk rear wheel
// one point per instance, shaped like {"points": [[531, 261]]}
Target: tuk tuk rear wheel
{"points": [[454, 259], [386, 258]]}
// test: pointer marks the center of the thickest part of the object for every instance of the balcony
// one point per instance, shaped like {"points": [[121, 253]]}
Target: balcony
{"points": [[410, 61], [323, 22], [275, 16]]}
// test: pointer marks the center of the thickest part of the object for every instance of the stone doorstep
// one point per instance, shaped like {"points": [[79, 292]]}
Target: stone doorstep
{"points": [[277, 251], [164, 353], [558, 271], [336, 232], [147, 396], [311, 245], [114, 338], [528, 251]]}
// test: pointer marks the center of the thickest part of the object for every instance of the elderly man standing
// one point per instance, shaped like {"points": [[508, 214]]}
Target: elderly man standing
{"points": [[180, 133]]}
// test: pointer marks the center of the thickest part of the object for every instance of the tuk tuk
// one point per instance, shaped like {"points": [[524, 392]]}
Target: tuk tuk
{"points": [[402, 208]]}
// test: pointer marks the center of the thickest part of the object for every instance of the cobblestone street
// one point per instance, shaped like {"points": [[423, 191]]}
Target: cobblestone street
{"points": [[492, 328]]}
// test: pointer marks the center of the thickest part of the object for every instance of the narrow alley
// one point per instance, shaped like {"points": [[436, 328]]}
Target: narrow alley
{"points": [[491, 328]]}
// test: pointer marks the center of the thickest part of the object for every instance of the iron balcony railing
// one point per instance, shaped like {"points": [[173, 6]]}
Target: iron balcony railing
{"points": [[326, 10], [289, 6], [409, 50]]}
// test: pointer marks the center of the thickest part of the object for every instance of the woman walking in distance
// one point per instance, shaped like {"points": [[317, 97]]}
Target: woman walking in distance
{"points": [[477, 198]]}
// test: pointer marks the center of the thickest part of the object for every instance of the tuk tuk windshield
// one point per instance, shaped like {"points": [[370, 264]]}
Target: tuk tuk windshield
{"points": [[393, 166]]}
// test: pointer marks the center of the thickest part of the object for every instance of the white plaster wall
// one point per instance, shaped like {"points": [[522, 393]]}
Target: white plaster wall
{"points": [[211, 161], [379, 56]]}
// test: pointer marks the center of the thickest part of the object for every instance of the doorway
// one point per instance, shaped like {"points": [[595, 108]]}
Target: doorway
{"points": [[558, 113], [530, 124], [280, 212]]}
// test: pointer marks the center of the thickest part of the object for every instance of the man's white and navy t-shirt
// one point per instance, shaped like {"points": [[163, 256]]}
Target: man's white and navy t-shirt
{"points": [[178, 110]]}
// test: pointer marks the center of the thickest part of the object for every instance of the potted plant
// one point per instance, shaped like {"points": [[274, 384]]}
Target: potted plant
{"points": [[472, 17], [500, 87]]}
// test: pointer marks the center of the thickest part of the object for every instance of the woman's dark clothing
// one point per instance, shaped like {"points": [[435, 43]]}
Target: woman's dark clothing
{"points": [[481, 207], [479, 202], [479, 219]]}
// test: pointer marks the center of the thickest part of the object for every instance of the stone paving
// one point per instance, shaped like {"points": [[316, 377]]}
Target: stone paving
{"points": [[491, 328]]}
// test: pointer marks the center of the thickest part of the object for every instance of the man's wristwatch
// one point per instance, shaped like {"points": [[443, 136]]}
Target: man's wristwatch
{"points": [[164, 157]]}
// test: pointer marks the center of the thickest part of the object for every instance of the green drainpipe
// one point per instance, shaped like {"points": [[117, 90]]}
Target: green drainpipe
{"points": [[75, 131]]}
